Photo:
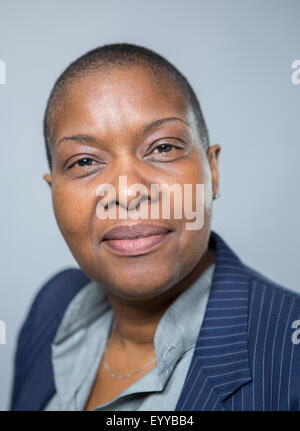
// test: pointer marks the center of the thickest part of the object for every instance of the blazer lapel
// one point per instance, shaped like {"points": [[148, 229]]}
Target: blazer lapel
{"points": [[220, 364]]}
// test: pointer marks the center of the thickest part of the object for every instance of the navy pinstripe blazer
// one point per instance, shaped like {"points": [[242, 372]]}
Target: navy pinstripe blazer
{"points": [[244, 358]]}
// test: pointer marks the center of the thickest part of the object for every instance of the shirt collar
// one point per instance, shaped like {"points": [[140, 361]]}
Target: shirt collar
{"points": [[175, 335], [92, 301], [183, 320]]}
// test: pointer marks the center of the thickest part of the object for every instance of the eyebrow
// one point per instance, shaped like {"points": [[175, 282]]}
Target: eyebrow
{"points": [[151, 126], [158, 123]]}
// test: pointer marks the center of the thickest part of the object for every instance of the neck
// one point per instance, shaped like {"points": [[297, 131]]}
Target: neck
{"points": [[136, 321]]}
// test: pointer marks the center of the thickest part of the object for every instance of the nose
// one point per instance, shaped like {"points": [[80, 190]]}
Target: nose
{"points": [[127, 187]]}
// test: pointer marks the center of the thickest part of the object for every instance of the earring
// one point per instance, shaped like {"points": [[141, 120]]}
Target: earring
{"points": [[216, 196]]}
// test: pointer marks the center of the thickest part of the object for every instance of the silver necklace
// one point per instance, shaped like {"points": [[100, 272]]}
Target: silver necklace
{"points": [[127, 375]]}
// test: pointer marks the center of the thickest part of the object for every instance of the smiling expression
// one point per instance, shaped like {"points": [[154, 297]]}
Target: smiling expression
{"points": [[127, 123]]}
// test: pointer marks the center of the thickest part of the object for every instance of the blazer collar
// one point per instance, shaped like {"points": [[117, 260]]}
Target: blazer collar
{"points": [[220, 363]]}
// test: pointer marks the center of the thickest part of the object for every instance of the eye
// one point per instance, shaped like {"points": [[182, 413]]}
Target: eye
{"points": [[83, 162], [164, 148], [166, 152], [84, 166]]}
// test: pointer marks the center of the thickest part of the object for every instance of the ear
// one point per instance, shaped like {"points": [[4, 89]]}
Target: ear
{"points": [[48, 179], [213, 160]]}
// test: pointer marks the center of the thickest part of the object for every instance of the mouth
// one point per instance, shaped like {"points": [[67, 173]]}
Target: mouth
{"points": [[136, 239]]}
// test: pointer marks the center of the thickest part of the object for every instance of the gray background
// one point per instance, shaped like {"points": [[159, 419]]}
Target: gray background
{"points": [[237, 56]]}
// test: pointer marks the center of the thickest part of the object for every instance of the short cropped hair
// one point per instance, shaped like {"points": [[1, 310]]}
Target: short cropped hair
{"points": [[119, 55]]}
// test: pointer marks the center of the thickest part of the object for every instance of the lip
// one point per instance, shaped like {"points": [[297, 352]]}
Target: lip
{"points": [[135, 239]]}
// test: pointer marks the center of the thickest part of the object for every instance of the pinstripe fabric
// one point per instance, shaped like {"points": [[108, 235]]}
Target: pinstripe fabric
{"points": [[244, 358]]}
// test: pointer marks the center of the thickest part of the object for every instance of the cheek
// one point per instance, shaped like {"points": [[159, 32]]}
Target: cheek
{"points": [[195, 185], [72, 207], [202, 194], [196, 214], [193, 243]]}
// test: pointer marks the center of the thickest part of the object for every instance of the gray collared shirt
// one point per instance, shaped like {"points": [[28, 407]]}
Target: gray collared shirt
{"points": [[84, 331]]}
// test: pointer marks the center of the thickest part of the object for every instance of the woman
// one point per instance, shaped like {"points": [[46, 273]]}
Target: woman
{"points": [[163, 315]]}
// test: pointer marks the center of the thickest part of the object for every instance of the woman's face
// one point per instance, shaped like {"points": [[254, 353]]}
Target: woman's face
{"points": [[106, 126]]}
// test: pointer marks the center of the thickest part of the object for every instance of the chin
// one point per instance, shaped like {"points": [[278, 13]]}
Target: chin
{"points": [[136, 284], [138, 292]]}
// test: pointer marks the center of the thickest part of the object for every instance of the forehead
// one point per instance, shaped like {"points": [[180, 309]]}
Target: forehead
{"points": [[113, 99]]}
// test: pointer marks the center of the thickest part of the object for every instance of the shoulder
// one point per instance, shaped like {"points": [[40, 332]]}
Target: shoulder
{"points": [[274, 319], [274, 341], [39, 327], [265, 294], [272, 301], [48, 306], [61, 287], [262, 287]]}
